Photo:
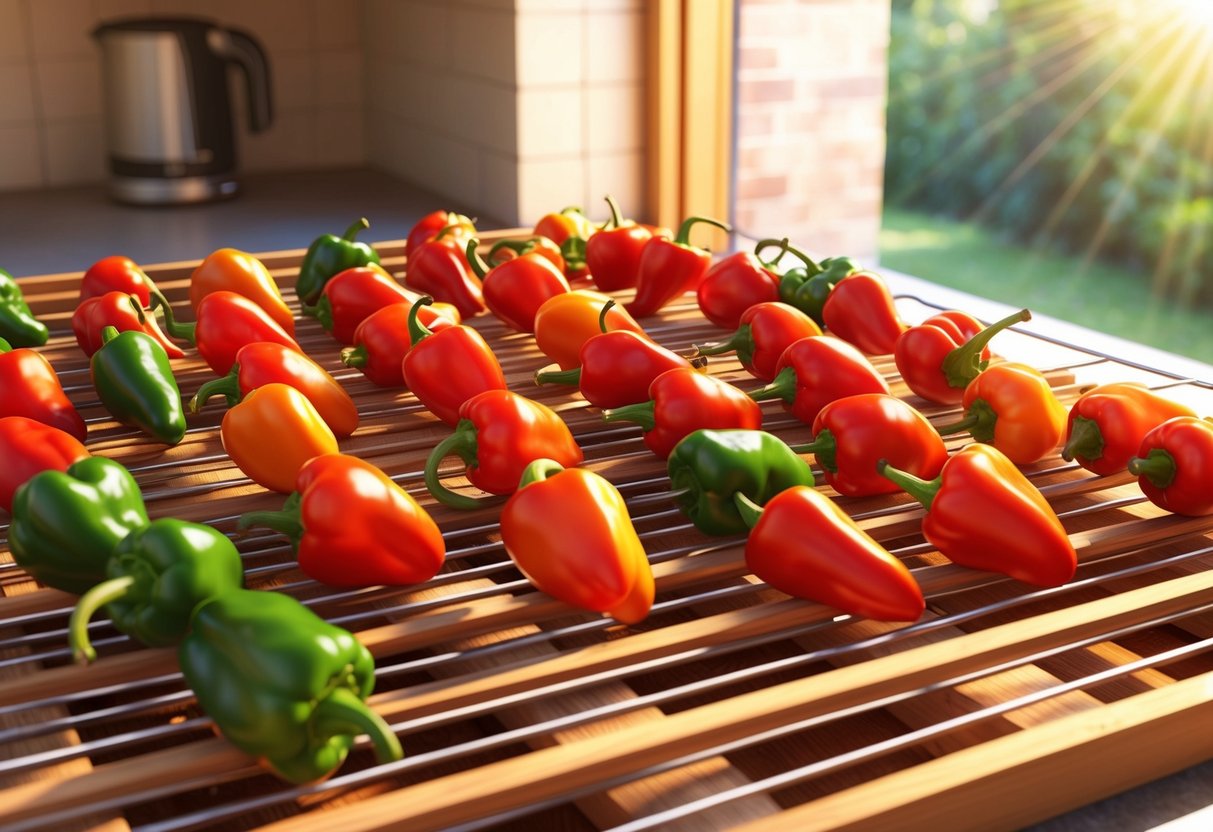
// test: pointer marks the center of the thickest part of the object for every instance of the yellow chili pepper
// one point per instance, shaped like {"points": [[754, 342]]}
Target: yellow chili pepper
{"points": [[272, 433]]}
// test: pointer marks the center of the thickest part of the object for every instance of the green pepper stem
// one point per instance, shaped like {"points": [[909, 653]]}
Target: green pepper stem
{"points": [[616, 220], [571, 376], [683, 237], [446, 229], [1086, 440], [5, 346], [767, 243], [108, 334], [573, 252], [477, 263], [354, 356], [923, 491], [782, 387], [463, 444], [749, 510], [1157, 466], [519, 247], [824, 448], [418, 330], [741, 338], [642, 413], [184, 331], [964, 363], [811, 265], [227, 386], [287, 521], [343, 712], [359, 225], [967, 423], [90, 602], [538, 471]]}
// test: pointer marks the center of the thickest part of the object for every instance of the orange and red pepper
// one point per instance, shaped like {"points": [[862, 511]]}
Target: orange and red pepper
{"points": [[117, 274], [939, 357], [121, 311], [232, 270], [439, 268], [816, 370], [514, 290], [764, 331], [352, 296], [226, 322], [612, 254], [1012, 407], [737, 282], [1107, 423], [382, 340], [566, 321], [429, 226], [272, 432]]}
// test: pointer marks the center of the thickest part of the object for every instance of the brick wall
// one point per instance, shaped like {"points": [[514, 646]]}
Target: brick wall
{"points": [[811, 78]]}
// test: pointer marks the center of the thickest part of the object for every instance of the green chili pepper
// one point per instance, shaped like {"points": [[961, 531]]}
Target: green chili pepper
{"points": [[131, 374], [709, 466], [18, 325], [66, 524], [158, 576], [283, 684], [327, 256], [807, 287]]}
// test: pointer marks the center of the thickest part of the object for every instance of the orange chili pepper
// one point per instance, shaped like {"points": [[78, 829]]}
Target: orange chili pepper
{"points": [[1012, 407], [566, 321], [242, 273], [1107, 423], [272, 433]]}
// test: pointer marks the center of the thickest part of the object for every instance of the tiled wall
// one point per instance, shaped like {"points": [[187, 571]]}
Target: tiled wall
{"points": [[519, 107], [810, 122], [52, 129]]}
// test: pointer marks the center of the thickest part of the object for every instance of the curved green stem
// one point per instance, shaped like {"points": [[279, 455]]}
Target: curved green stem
{"points": [[417, 330], [462, 443], [743, 337], [782, 387], [519, 247], [616, 220], [964, 363], [447, 229], [683, 237], [767, 243], [287, 521], [101, 594], [965, 424], [824, 448], [811, 265], [642, 413], [184, 331], [538, 471], [358, 226], [342, 712], [602, 315], [1086, 440], [571, 376], [227, 386], [477, 263], [749, 510], [923, 491], [108, 334], [1157, 466], [355, 356]]}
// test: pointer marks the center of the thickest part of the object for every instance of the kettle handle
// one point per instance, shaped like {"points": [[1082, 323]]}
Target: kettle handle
{"points": [[243, 50]]}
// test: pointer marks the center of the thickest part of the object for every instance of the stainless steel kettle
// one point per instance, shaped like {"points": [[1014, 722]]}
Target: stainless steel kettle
{"points": [[167, 108]]}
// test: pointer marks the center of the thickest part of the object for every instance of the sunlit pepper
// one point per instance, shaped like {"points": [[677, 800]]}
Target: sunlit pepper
{"points": [[1012, 407], [860, 310], [1107, 423], [508, 249], [29, 387], [814, 371], [428, 227], [939, 357], [272, 433], [514, 290], [232, 270], [121, 311], [737, 282], [668, 268], [802, 543], [382, 340], [808, 286], [612, 254], [352, 296], [29, 447], [226, 322], [18, 325], [498, 435], [444, 368], [568, 531], [764, 331], [439, 268], [350, 524], [117, 274], [566, 321], [1174, 466], [328, 256], [265, 362], [570, 229], [685, 400], [983, 513], [135, 383]]}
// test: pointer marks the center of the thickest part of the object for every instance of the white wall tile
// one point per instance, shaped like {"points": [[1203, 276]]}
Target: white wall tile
{"points": [[13, 27], [546, 185], [614, 118], [622, 176], [615, 46], [16, 94], [69, 88], [550, 122], [62, 28], [484, 39], [336, 24], [21, 157], [476, 111], [499, 187], [75, 151], [339, 78], [340, 136], [549, 49]]}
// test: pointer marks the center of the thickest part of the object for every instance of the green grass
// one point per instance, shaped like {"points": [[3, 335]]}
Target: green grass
{"points": [[1101, 297]]}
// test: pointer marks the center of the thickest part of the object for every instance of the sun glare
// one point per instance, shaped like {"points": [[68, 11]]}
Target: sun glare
{"points": [[1195, 11]]}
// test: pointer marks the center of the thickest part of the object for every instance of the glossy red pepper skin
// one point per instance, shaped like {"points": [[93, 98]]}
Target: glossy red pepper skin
{"points": [[117, 310], [617, 368], [29, 447], [1012, 407], [860, 311], [817, 370], [668, 268], [117, 274], [734, 284], [1174, 466], [983, 513], [439, 268], [851, 435], [447, 367], [1106, 424], [382, 340], [498, 435], [939, 357], [804, 544], [232, 270], [226, 322], [682, 401], [30, 388], [764, 331], [566, 321], [514, 290], [429, 226], [352, 296], [612, 253]]}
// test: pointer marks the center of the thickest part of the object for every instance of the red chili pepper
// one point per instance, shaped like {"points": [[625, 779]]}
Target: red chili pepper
{"points": [[764, 331], [1107, 423], [939, 357], [566, 321], [1174, 466], [351, 525], [682, 401], [121, 311], [568, 531], [498, 435], [382, 340], [617, 367], [860, 310], [504, 250], [29, 447], [428, 227], [514, 290], [612, 254], [802, 543], [117, 274], [30, 388], [265, 362], [739, 281], [1012, 407], [226, 322], [440, 269], [571, 230], [670, 267], [447, 367], [851, 435], [983, 513], [817, 370], [352, 296]]}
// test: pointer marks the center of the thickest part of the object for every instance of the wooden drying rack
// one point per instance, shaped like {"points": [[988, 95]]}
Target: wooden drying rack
{"points": [[731, 706]]}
